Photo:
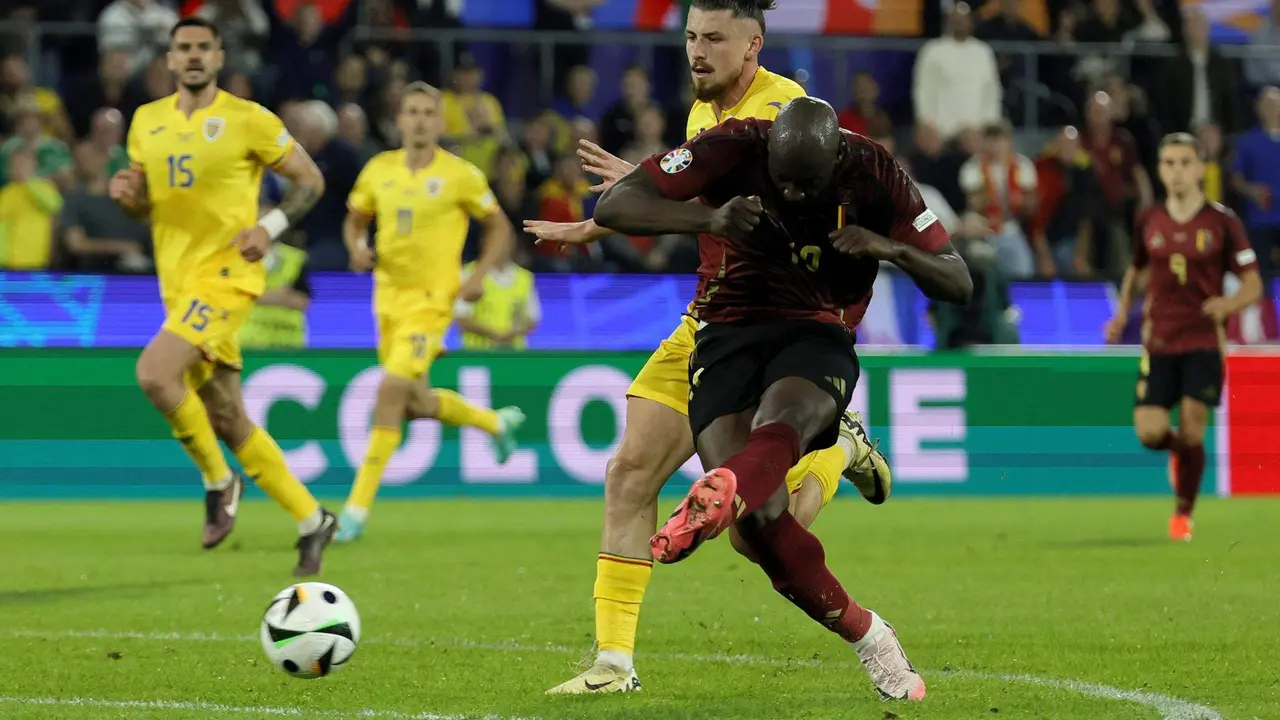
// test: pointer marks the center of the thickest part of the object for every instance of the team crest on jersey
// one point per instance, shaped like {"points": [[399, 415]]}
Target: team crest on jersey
{"points": [[1157, 241], [435, 186], [677, 160], [213, 128], [1204, 240]]}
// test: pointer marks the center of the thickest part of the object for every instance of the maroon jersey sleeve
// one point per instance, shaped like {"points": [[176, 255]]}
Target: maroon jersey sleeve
{"points": [[689, 170], [1240, 256], [913, 222]]}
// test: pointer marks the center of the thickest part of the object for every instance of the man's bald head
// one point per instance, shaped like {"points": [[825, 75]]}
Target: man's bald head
{"points": [[804, 147]]}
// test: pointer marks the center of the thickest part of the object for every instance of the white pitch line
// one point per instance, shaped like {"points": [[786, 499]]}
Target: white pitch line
{"points": [[196, 706], [1170, 708]]}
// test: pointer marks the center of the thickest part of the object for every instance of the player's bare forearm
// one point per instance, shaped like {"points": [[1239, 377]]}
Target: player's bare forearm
{"points": [[942, 276], [634, 207], [355, 231], [1250, 292], [306, 185], [1128, 286], [496, 244]]}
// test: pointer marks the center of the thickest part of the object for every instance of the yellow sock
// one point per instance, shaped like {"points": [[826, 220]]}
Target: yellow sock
{"points": [[264, 463], [190, 423], [383, 441], [620, 586], [455, 410]]}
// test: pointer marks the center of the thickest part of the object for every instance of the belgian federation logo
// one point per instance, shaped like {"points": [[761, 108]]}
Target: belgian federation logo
{"points": [[213, 128], [677, 160], [435, 186]]}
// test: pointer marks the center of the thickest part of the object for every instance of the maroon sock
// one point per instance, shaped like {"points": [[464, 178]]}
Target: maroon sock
{"points": [[761, 466], [1169, 442], [794, 560], [1190, 473]]}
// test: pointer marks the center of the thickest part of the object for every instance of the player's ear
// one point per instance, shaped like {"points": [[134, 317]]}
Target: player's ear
{"points": [[754, 46]]}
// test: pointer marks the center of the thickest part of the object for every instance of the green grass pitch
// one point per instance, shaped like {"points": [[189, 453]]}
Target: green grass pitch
{"points": [[1053, 609]]}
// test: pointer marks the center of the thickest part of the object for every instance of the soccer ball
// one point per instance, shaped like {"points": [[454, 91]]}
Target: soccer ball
{"points": [[310, 630]]}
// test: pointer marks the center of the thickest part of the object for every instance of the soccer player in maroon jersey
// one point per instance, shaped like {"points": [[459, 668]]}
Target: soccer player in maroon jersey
{"points": [[1181, 252], [795, 216]]}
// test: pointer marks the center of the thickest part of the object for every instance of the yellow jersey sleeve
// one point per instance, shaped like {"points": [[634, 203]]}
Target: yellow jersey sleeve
{"points": [[475, 197], [268, 140], [362, 199]]}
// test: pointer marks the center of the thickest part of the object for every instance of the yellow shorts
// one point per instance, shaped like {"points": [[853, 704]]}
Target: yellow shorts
{"points": [[665, 379], [409, 342], [209, 316]]}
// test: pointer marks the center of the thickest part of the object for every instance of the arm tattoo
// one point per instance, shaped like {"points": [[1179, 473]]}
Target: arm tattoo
{"points": [[299, 199]]}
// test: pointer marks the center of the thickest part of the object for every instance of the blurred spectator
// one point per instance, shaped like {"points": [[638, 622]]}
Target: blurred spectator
{"points": [[1106, 21], [936, 163], [932, 198], [16, 90], [353, 127], [108, 89], [566, 16], [1000, 185], [511, 188], [1110, 21], [957, 84], [317, 131], [1256, 176], [305, 49], [240, 85], [1209, 137], [1200, 85], [244, 28], [351, 81], [1263, 70], [560, 199], [382, 113], [1007, 25], [473, 118], [538, 147], [1131, 111], [103, 150], [618, 126], [28, 206], [1069, 199], [650, 128], [579, 92], [53, 158], [97, 234], [864, 115], [507, 312], [1121, 177], [580, 129], [139, 27], [157, 81]]}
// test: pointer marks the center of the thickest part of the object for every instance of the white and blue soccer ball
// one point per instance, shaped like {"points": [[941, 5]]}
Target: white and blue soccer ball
{"points": [[310, 630]]}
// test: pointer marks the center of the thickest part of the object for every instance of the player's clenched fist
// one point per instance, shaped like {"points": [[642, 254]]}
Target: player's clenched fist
{"points": [[862, 243], [737, 218], [363, 259], [1114, 329], [254, 243], [126, 188]]}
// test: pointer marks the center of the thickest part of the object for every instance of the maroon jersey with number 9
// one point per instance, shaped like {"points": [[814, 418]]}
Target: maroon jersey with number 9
{"points": [[1187, 262], [787, 268]]}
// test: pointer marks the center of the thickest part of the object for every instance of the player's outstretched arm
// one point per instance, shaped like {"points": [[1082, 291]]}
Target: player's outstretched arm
{"points": [[583, 232], [635, 206]]}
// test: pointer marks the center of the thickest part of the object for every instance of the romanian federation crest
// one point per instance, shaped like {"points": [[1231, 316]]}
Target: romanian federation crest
{"points": [[434, 187], [213, 128]]}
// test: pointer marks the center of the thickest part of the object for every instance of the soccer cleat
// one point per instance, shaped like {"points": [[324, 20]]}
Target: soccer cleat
{"points": [[868, 470], [311, 547], [349, 529], [705, 512], [598, 679], [220, 507], [1180, 528], [884, 660], [509, 421]]}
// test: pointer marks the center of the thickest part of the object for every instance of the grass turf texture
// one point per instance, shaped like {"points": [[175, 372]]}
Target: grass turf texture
{"points": [[475, 608]]}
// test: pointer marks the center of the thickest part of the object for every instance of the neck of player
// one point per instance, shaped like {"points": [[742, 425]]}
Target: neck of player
{"points": [[1184, 207], [190, 101], [418, 158], [734, 95]]}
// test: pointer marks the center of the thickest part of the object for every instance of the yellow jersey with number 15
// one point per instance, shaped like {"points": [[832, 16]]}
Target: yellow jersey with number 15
{"points": [[203, 176], [764, 98], [422, 217]]}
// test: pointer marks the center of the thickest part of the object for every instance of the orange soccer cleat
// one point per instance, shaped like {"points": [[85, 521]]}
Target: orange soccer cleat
{"points": [[1180, 528], [705, 512]]}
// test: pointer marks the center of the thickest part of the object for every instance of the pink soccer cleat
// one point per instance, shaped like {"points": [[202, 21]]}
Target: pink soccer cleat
{"points": [[705, 512]]}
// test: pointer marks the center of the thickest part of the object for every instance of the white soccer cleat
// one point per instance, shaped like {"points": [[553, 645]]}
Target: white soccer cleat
{"points": [[890, 670], [600, 678], [868, 469]]}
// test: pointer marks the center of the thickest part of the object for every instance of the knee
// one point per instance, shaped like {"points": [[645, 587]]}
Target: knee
{"points": [[629, 480], [742, 547], [394, 391], [1152, 436], [154, 378]]}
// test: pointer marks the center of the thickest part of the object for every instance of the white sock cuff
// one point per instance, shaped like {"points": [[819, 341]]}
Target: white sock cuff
{"points": [[617, 659]]}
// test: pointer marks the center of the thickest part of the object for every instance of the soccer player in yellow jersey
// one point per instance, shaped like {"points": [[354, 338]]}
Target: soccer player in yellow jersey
{"points": [[197, 160], [423, 198], [723, 39]]}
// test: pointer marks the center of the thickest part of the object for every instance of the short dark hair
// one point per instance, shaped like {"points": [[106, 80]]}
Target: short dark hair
{"points": [[754, 9], [195, 22], [1182, 139]]}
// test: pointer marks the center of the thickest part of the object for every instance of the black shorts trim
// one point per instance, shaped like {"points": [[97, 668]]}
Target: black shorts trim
{"points": [[732, 365], [1163, 380]]}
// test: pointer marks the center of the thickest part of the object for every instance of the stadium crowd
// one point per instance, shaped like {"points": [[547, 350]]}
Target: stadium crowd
{"points": [[1048, 201]]}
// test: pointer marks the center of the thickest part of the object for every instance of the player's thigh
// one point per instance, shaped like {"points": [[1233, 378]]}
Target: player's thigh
{"points": [[1159, 388], [809, 382], [724, 437], [664, 379], [1202, 381], [655, 444], [208, 317], [166, 358], [725, 374], [408, 344]]}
